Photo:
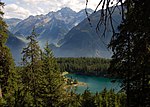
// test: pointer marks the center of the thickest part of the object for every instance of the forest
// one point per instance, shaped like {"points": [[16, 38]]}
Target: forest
{"points": [[38, 82], [84, 65]]}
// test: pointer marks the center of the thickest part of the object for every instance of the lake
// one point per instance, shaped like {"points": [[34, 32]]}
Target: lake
{"points": [[94, 84]]}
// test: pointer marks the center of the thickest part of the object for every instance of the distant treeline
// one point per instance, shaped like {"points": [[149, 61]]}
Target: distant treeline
{"points": [[84, 65]]}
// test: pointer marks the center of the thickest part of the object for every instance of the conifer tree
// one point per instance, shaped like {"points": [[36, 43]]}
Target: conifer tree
{"points": [[131, 57], [8, 75], [52, 82], [31, 71], [88, 100]]}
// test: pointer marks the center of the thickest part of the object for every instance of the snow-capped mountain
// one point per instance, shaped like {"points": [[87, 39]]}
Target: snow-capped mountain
{"points": [[68, 32], [83, 40], [51, 27]]}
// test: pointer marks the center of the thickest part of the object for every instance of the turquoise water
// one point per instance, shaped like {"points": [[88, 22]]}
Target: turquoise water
{"points": [[94, 84]]}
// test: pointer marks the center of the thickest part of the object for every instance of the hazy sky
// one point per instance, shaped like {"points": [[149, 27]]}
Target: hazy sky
{"points": [[23, 8]]}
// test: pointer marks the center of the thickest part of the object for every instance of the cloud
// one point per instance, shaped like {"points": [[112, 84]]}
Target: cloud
{"points": [[23, 8], [16, 11], [34, 1]]}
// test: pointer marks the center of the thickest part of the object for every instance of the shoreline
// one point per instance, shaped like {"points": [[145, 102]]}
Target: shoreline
{"points": [[79, 83], [65, 73], [75, 85], [101, 76]]}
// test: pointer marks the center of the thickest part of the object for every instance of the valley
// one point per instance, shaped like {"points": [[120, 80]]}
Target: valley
{"points": [[68, 33], [74, 53]]}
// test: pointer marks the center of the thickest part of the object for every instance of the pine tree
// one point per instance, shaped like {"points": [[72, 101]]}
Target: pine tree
{"points": [[88, 100], [52, 81], [131, 57], [8, 74], [31, 71]]}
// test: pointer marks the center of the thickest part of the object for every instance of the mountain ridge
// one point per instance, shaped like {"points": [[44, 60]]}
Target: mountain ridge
{"points": [[64, 19], [80, 40], [84, 41]]}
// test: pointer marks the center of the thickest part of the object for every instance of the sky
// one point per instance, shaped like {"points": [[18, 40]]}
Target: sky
{"points": [[24, 8]]}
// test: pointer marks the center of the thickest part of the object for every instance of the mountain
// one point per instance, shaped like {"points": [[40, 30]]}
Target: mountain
{"points": [[83, 41], [12, 22], [15, 44], [69, 34], [51, 27]]}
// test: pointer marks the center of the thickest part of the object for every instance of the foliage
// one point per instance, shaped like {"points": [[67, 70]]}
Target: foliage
{"points": [[52, 84], [38, 82], [101, 99], [131, 58], [130, 45], [31, 71], [8, 75], [89, 66], [42, 83]]}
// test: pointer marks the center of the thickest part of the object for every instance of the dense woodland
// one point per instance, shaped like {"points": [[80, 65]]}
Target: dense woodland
{"points": [[131, 47], [86, 66], [103, 99], [38, 80]]}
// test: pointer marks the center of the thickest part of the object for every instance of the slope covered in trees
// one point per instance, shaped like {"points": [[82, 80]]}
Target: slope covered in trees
{"points": [[8, 74], [83, 65], [103, 99], [38, 82], [41, 84]]}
